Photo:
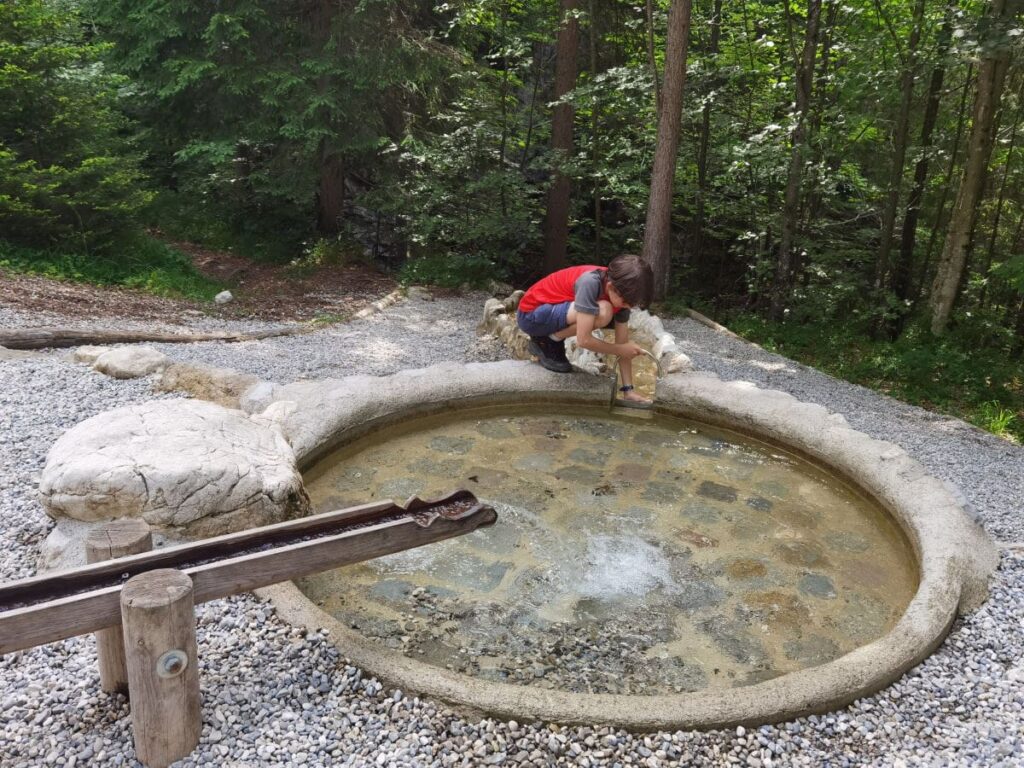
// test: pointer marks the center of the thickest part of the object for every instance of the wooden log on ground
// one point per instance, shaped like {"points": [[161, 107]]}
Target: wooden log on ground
{"points": [[118, 538], [158, 615], [50, 338]]}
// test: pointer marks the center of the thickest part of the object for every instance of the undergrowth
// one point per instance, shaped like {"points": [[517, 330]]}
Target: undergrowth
{"points": [[951, 375], [137, 262]]}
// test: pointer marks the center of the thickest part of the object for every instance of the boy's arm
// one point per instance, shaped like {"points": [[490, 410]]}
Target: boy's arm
{"points": [[626, 365], [586, 339]]}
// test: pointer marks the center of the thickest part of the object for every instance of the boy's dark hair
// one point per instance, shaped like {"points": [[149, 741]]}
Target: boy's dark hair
{"points": [[633, 278]]}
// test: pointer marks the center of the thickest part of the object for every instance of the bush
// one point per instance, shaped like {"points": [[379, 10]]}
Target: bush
{"points": [[67, 177], [984, 386], [135, 262]]}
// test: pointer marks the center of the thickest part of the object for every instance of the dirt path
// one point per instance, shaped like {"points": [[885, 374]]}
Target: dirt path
{"points": [[265, 292]]}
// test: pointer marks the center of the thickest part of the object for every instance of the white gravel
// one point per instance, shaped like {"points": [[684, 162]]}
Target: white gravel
{"points": [[274, 695]]}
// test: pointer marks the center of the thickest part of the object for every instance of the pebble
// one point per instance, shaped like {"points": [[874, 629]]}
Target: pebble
{"points": [[275, 695]]}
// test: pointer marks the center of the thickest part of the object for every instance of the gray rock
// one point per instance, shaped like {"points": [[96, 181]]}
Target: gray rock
{"points": [[130, 362], [713, 490], [817, 585]]}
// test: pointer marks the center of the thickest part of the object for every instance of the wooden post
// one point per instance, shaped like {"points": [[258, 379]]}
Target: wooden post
{"points": [[158, 617], [119, 538]]}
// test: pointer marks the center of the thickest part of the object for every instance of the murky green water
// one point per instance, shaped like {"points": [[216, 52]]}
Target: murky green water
{"points": [[629, 556]]}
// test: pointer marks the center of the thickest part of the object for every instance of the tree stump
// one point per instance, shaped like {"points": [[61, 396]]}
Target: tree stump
{"points": [[119, 538], [158, 616]]}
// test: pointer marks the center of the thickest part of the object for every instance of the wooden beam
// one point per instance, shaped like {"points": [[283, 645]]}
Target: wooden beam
{"points": [[50, 338], [76, 602]]}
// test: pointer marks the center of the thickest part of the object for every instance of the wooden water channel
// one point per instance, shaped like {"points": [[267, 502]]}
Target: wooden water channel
{"points": [[148, 598]]}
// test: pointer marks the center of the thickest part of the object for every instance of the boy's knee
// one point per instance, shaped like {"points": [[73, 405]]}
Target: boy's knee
{"points": [[604, 313]]}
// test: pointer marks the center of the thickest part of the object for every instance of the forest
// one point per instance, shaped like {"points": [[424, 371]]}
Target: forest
{"points": [[839, 181]]}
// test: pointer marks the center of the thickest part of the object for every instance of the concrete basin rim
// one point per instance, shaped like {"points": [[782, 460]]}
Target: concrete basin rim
{"points": [[865, 670]]}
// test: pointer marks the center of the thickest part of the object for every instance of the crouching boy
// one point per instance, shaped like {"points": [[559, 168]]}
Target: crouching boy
{"points": [[575, 301]]}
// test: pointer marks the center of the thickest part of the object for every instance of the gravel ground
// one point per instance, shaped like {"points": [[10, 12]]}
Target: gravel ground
{"points": [[275, 695]]}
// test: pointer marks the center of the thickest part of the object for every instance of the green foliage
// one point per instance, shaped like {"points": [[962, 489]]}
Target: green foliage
{"points": [[615, 142], [459, 201], [135, 261], [448, 271], [951, 375], [213, 221], [249, 105], [67, 175], [467, 182], [993, 417], [339, 250]]}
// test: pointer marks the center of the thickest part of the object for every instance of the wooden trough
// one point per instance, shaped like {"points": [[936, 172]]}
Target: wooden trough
{"points": [[152, 595]]}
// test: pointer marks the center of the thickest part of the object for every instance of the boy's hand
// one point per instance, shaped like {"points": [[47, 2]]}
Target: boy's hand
{"points": [[629, 350]]}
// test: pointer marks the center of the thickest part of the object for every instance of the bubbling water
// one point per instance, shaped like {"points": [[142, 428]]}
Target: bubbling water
{"points": [[628, 557]]}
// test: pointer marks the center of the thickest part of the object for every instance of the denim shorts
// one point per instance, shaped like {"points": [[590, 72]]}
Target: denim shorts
{"points": [[545, 319]]}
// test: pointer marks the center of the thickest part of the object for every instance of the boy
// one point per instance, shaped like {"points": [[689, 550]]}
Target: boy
{"points": [[575, 301]]}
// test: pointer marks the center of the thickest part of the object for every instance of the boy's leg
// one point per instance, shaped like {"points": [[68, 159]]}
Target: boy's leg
{"points": [[539, 325], [602, 320]]}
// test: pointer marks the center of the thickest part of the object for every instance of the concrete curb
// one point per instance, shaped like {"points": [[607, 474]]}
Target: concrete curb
{"points": [[955, 556]]}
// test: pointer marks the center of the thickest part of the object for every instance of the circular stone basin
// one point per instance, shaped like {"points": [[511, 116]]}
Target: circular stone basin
{"points": [[636, 564], [630, 556]]}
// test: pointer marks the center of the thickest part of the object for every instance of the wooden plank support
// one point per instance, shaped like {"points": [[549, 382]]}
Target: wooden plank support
{"points": [[82, 600], [158, 616], [110, 541]]}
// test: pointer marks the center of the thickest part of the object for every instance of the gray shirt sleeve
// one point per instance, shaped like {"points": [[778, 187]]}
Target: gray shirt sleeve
{"points": [[588, 291]]}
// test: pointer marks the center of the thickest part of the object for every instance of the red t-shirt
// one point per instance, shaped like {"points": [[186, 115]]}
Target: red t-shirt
{"points": [[559, 287]]}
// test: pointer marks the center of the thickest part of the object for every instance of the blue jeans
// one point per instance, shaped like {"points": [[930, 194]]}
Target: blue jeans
{"points": [[545, 319]]}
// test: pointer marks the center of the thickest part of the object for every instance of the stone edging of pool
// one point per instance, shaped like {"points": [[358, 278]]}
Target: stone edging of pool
{"points": [[955, 557]]}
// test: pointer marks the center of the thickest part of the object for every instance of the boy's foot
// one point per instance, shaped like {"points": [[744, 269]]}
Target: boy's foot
{"points": [[550, 354]]}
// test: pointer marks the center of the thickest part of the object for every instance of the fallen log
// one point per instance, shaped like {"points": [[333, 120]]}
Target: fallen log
{"points": [[49, 338]]}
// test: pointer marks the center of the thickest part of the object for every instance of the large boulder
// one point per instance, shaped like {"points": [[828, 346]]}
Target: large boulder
{"points": [[188, 468]]}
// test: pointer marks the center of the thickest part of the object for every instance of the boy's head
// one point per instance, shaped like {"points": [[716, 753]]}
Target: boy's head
{"points": [[632, 279]]}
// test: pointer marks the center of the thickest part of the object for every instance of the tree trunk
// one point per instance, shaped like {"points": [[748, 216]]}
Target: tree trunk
{"points": [[901, 282], [556, 219], [991, 74], [705, 138], [595, 120], [1018, 332], [330, 190], [990, 253], [899, 152], [791, 206], [538, 71], [330, 193], [504, 108], [825, 96], [940, 208], [651, 61], [658, 228]]}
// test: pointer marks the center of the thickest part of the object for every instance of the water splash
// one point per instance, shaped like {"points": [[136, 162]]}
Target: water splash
{"points": [[623, 565]]}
